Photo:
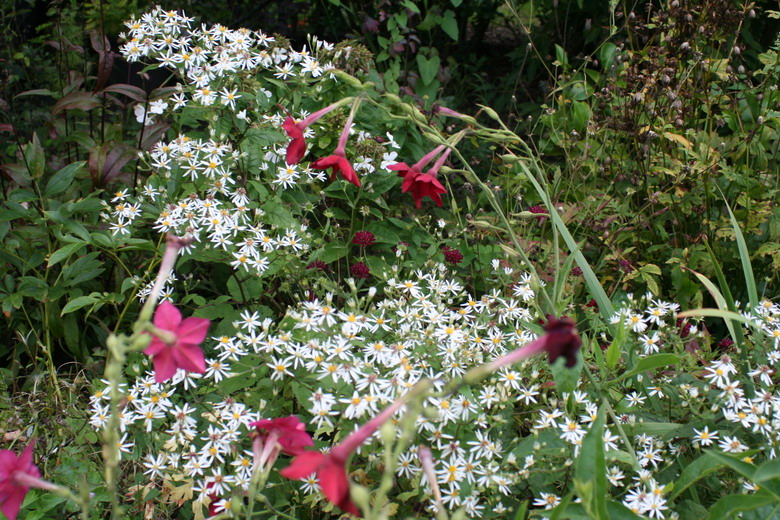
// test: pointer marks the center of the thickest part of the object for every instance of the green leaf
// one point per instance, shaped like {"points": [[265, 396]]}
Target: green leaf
{"points": [[429, 67], [594, 286], [34, 158], [522, 510], [744, 256], [648, 363], [591, 468], [449, 24], [746, 470], [64, 253], [616, 347], [60, 181], [77, 303], [694, 471], [332, 252], [566, 378], [767, 471], [580, 115], [730, 505], [278, 215]]}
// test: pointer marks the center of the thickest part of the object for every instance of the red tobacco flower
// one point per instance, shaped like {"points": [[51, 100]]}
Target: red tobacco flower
{"points": [[423, 185], [17, 475], [331, 467], [297, 147], [337, 163], [289, 432], [184, 350]]}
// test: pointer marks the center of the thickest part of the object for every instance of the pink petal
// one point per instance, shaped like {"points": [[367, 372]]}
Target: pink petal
{"points": [[303, 465], [192, 330], [12, 502], [155, 346], [167, 316], [335, 486], [189, 357], [164, 365]]}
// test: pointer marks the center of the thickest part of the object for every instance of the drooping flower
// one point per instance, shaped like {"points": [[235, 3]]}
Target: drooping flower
{"points": [[364, 239], [289, 432], [338, 162], [559, 340], [180, 346], [297, 147], [317, 264], [17, 475], [420, 184], [331, 467]]}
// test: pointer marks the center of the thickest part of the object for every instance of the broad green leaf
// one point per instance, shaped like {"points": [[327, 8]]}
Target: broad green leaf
{"points": [[730, 505], [449, 24], [767, 471], [64, 253], [60, 181], [77, 303], [694, 471], [429, 67], [566, 378]]}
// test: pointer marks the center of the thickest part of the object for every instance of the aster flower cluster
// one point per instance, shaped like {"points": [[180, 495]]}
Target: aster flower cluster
{"points": [[346, 363]]}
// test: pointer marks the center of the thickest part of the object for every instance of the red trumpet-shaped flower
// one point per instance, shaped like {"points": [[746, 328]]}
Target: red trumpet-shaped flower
{"points": [[177, 344], [338, 162], [331, 467], [297, 147], [419, 184], [17, 475]]}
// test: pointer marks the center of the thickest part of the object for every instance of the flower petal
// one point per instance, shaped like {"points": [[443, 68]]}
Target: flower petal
{"points": [[167, 316], [189, 357], [192, 330], [303, 465]]}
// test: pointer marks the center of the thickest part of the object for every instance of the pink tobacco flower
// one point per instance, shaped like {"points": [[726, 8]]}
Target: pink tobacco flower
{"points": [[289, 432], [331, 467], [17, 476], [297, 147], [180, 348]]}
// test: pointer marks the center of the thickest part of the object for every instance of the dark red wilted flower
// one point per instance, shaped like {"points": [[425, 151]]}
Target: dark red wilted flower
{"points": [[360, 270], [592, 303], [559, 340], [452, 255], [317, 264], [576, 271], [685, 328], [625, 265], [364, 239]]}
